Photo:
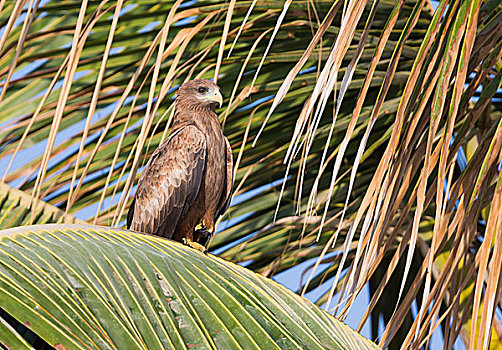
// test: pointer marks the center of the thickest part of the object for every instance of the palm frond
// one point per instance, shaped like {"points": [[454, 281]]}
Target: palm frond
{"points": [[16, 210], [92, 287], [379, 123]]}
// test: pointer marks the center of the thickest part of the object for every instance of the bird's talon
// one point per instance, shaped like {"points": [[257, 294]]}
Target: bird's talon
{"points": [[203, 231], [194, 245]]}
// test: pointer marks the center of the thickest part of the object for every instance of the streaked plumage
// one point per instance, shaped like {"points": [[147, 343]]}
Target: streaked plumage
{"points": [[187, 183]]}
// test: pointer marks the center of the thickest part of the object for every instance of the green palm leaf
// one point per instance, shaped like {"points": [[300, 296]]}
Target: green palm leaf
{"points": [[18, 209], [91, 287]]}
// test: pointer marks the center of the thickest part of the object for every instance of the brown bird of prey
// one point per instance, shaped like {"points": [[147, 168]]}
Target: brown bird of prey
{"points": [[187, 184]]}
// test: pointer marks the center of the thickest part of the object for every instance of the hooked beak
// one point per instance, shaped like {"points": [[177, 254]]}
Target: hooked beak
{"points": [[216, 97]]}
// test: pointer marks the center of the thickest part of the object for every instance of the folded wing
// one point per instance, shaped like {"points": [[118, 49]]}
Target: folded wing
{"points": [[169, 184]]}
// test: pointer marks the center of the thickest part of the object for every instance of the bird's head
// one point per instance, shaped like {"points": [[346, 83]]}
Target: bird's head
{"points": [[200, 93]]}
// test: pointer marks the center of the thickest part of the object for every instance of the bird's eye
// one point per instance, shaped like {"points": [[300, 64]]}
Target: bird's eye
{"points": [[202, 90]]}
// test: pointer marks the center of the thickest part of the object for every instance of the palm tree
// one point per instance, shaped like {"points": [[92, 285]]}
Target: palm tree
{"points": [[367, 137]]}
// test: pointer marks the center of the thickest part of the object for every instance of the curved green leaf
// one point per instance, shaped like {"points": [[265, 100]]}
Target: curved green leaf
{"points": [[16, 210], [92, 287]]}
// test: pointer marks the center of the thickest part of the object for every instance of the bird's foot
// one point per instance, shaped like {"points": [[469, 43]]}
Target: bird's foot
{"points": [[204, 232], [194, 245]]}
